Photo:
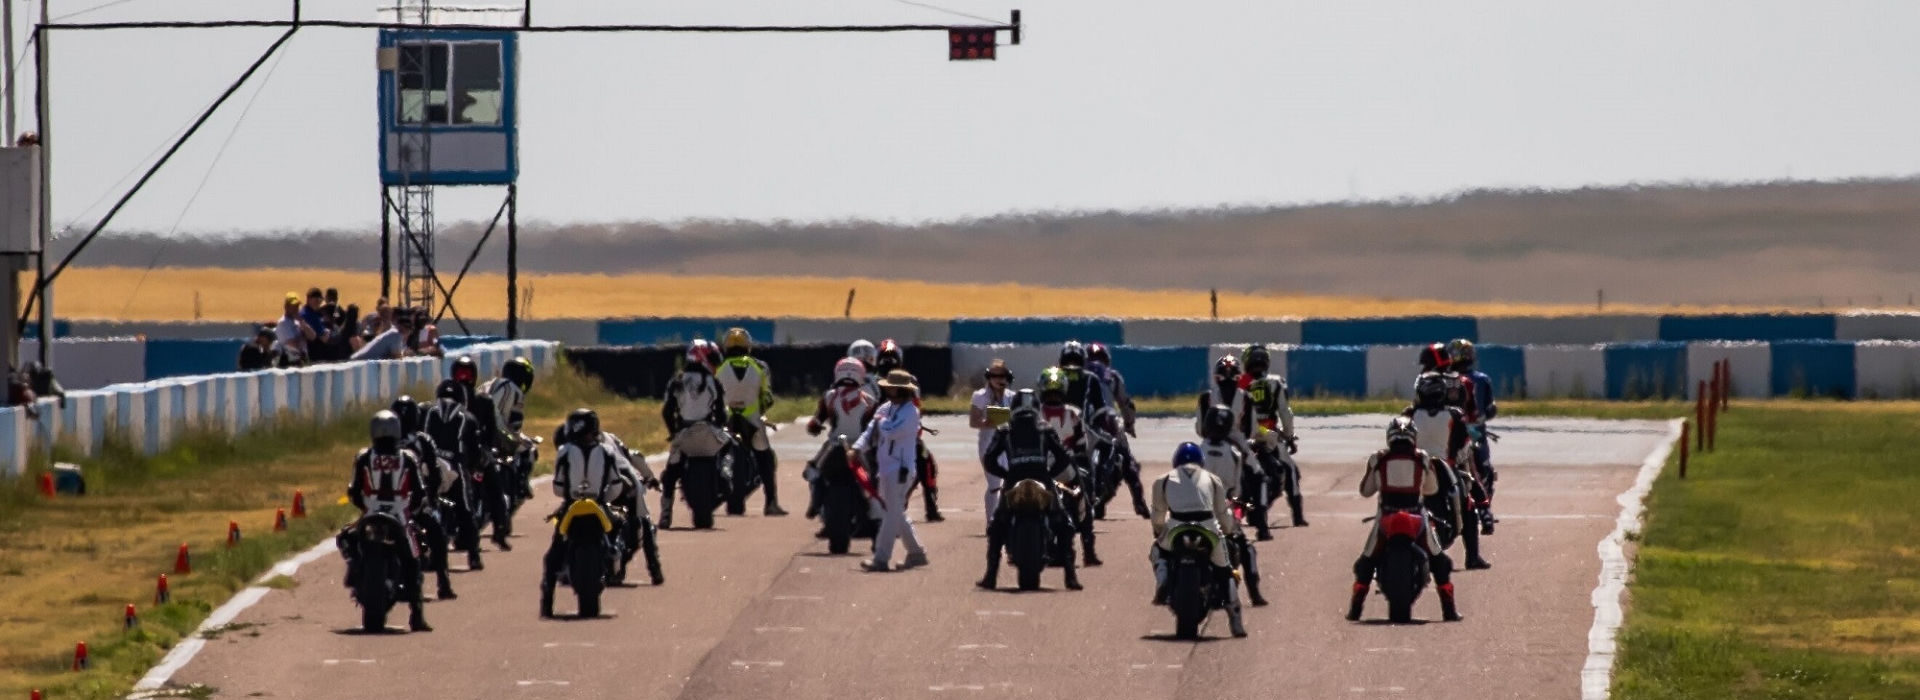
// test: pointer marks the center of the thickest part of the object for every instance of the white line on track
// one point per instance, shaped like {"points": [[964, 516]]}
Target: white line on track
{"points": [[806, 598], [764, 630], [972, 647], [1009, 613], [524, 684], [1597, 675], [745, 665]]}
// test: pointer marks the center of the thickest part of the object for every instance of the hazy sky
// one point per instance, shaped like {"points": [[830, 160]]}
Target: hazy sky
{"points": [[1109, 104]]}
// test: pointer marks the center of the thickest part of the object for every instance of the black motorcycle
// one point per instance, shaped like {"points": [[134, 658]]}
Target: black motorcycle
{"points": [[706, 478], [1402, 567], [1030, 536], [1104, 461], [1194, 592], [741, 467], [843, 502], [586, 528], [378, 542]]}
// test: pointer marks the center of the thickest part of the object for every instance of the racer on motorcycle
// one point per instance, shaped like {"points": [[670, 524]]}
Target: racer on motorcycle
{"points": [[1064, 419], [456, 433], [386, 479], [1442, 431], [1031, 450], [843, 412], [587, 466], [1229, 458], [1109, 404], [1267, 421], [747, 387], [509, 394], [493, 498], [694, 408], [1402, 476], [1190, 494], [1480, 408], [435, 475]]}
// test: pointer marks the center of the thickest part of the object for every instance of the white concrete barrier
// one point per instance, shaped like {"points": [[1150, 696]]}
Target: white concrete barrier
{"points": [[1876, 326], [1566, 371], [1390, 371], [90, 363], [1887, 369], [1752, 365]]}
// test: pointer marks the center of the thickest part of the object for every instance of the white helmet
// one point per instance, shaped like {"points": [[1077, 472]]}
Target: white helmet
{"points": [[863, 351], [849, 369]]}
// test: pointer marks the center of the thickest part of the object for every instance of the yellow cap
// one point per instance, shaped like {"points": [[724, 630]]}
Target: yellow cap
{"points": [[293, 297]]}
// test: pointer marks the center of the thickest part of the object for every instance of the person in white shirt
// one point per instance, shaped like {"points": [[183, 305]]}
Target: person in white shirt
{"points": [[993, 395], [890, 445]]}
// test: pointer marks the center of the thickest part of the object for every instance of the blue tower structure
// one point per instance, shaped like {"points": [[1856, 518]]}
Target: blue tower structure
{"points": [[448, 118]]}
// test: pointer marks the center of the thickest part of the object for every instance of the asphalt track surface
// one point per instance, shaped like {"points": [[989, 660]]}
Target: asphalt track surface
{"points": [[758, 609]]}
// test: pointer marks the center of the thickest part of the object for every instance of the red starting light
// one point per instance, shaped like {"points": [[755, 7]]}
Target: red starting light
{"points": [[971, 44]]}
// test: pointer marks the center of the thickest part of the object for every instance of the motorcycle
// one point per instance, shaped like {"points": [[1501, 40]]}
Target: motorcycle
{"points": [[1194, 592], [519, 469], [463, 513], [744, 475], [1103, 460], [586, 528], [1401, 571], [844, 510], [707, 477], [377, 541], [1030, 536]]}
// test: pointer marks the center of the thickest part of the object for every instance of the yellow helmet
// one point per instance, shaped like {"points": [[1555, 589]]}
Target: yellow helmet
{"points": [[1460, 353], [736, 342], [1053, 379]]}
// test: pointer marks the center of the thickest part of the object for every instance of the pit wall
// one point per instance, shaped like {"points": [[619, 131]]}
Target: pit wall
{"points": [[1636, 370], [151, 414]]}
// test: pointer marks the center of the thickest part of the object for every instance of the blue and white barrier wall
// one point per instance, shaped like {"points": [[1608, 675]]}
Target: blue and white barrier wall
{"points": [[151, 414]]}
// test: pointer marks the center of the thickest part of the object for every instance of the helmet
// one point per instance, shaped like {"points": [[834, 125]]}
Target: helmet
{"points": [[1073, 354], [1460, 353], [385, 426], [1188, 453], [849, 370], [408, 412], [998, 368], [1401, 429], [1433, 358], [1053, 379], [863, 351], [1097, 352], [889, 356], [1226, 368], [583, 426], [464, 370], [700, 353], [1430, 389], [1256, 359], [1024, 404], [519, 370], [736, 342], [1218, 422], [451, 389]]}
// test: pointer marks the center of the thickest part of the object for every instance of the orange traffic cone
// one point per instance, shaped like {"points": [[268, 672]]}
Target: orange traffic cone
{"points": [[233, 534], [35, 695], [132, 620], [46, 485], [161, 595], [80, 657], [299, 504], [180, 563], [279, 520]]}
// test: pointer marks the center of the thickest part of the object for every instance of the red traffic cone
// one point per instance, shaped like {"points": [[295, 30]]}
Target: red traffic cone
{"points": [[161, 595], [35, 695], [279, 520], [80, 656], [180, 563], [299, 504], [233, 534], [133, 619], [46, 485]]}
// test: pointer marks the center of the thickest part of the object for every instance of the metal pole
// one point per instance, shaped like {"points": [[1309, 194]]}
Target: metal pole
{"points": [[6, 44], [43, 108], [513, 261], [386, 246]]}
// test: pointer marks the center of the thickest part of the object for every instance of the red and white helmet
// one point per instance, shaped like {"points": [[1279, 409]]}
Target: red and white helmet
{"points": [[849, 370], [701, 352], [890, 356], [1097, 352]]}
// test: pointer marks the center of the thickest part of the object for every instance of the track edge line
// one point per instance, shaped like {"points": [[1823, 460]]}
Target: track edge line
{"points": [[1596, 677]]}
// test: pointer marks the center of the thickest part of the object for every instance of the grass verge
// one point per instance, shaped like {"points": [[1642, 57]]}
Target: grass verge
{"points": [[69, 566], [1784, 565]]}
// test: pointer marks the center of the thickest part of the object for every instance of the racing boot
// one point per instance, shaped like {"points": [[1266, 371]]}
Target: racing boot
{"points": [[1487, 520], [992, 579], [1234, 623], [1358, 602], [666, 511], [1091, 559], [443, 590], [473, 560], [650, 545], [1263, 530], [1362, 580], [417, 615], [1160, 589], [765, 460], [1448, 611], [931, 495], [1471, 537], [1073, 575], [546, 597], [1293, 504]]}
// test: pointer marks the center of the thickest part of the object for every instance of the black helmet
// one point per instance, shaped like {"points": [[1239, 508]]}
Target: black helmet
{"points": [[451, 389], [1433, 358], [1430, 389], [385, 426], [1401, 431], [1073, 354], [888, 357], [464, 370], [583, 427], [1256, 360], [1218, 422], [1226, 369], [519, 370], [408, 412]]}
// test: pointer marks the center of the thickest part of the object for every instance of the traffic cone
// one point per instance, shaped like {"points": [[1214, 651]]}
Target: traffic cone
{"points": [[133, 619], [233, 534], [279, 520], [299, 504], [80, 662], [46, 485], [180, 563], [161, 595], [35, 695]]}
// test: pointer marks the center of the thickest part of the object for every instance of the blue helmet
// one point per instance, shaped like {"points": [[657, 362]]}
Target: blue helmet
{"points": [[1188, 453]]}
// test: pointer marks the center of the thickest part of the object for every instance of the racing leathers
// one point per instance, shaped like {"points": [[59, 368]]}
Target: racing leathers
{"points": [[496, 506], [1190, 494], [1403, 477], [1480, 408], [386, 479], [1027, 449], [1444, 436], [437, 476], [695, 412], [747, 388], [843, 411], [509, 415], [456, 435], [1110, 411], [1228, 460], [596, 470], [1266, 419], [1064, 421]]}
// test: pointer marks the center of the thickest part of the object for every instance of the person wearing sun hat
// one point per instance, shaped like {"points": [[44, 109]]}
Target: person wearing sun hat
{"points": [[292, 334], [889, 447], [985, 418]]}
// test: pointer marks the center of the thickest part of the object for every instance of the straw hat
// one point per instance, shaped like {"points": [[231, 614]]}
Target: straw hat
{"points": [[898, 379]]}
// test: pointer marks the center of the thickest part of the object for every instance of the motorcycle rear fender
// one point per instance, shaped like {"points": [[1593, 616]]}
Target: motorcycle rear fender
{"points": [[1029, 496], [584, 508], [1177, 531], [1401, 523]]}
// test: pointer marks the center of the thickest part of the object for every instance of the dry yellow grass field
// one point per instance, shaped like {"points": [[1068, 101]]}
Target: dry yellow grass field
{"points": [[172, 294]]}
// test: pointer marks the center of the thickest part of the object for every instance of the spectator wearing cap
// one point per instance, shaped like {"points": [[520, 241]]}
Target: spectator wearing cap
{"points": [[292, 334], [981, 417], [312, 314], [257, 354]]}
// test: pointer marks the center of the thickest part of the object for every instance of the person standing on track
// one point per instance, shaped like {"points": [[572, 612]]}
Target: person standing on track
{"points": [[1402, 476], [887, 358], [695, 412], [1190, 494], [748, 388], [1027, 449], [1267, 420], [889, 444], [1479, 408], [981, 416]]}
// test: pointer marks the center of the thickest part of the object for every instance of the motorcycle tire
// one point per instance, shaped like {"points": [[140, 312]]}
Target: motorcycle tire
{"points": [[1189, 601], [1029, 544], [1398, 583], [587, 558], [838, 517], [375, 593], [701, 486]]}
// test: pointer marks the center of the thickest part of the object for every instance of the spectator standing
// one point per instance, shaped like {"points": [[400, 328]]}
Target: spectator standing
{"points": [[292, 334], [993, 395], [426, 336], [390, 344], [257, 354], [892, 441], [380, 320]]}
